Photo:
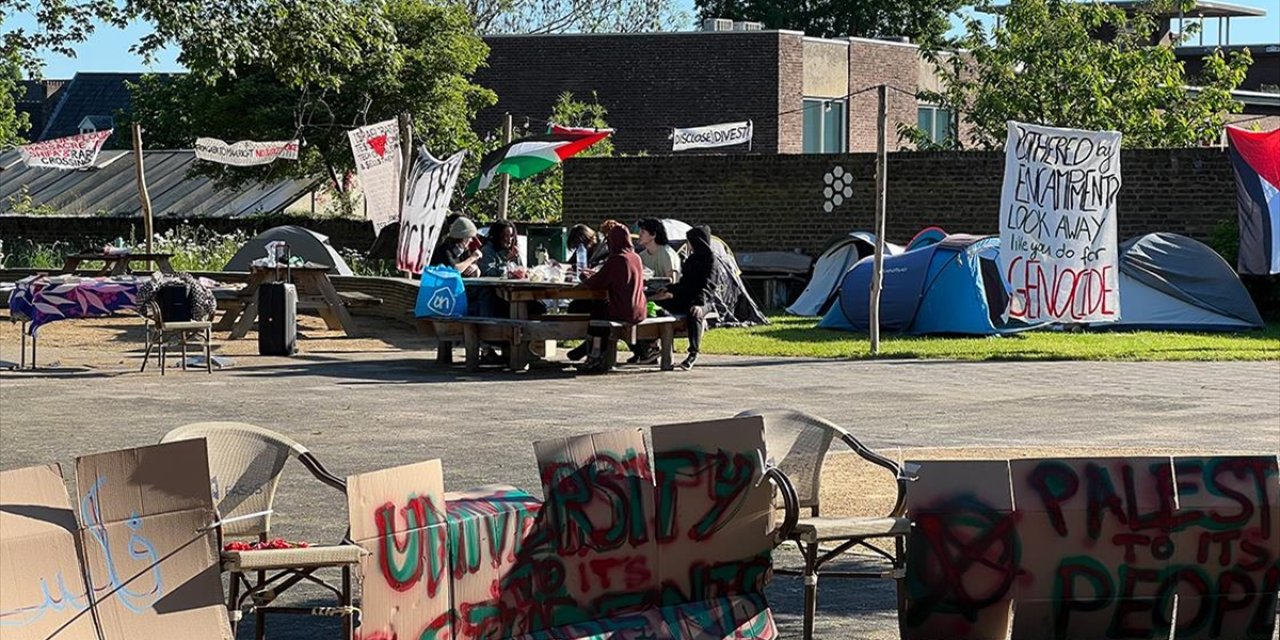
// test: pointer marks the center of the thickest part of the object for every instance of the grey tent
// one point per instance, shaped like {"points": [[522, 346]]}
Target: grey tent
{"points": [[1170, 282], [305, 243]]}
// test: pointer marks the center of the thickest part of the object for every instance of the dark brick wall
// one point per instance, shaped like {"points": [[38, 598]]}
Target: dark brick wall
{"points": [[776, 202], [89, 232], [648, 82]]}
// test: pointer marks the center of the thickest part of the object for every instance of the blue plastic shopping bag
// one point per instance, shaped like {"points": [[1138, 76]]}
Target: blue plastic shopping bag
{"points": [[441, 294]]}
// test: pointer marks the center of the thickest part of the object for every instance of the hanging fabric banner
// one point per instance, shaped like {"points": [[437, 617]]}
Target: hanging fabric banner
{"points": [[710, 136], [1255, 161], [1058, 224], [245, 153], [377, 151], [426, 203], [71, 152]]}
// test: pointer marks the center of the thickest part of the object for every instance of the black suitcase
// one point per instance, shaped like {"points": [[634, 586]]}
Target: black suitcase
{"points": [[277, 319]]}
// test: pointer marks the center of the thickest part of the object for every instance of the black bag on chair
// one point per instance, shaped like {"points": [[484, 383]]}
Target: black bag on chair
{"points": [[174, 303], [277, 319]]}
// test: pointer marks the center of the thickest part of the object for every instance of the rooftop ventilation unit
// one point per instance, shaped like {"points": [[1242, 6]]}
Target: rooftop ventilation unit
{"points": [[717, 24]]}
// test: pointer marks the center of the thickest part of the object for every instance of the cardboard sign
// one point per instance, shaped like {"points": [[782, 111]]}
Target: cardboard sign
{"points": [[1058, 224], [711, 136], [1095, 548], [42, 590], [397, 516], [426, 203], [71, 152], [245, 153], [377, 152], [150, 556]]}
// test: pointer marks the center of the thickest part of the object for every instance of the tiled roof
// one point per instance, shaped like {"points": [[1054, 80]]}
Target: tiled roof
{"points": [[89, 94], [111, 187]]}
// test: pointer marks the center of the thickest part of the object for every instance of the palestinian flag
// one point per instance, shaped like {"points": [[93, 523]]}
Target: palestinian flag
{"points": [[530, 156], [1255, 161]]}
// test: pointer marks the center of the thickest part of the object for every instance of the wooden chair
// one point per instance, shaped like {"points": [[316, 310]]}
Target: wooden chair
{"points": [[245, 463], [797, 444]]}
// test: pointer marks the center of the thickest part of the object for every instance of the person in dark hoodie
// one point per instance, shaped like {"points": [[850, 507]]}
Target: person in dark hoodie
{"points": [[622, 276], [690, 295]]}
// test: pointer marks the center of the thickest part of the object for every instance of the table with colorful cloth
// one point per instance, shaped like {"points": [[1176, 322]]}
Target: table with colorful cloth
{"points": [[38, 300]]}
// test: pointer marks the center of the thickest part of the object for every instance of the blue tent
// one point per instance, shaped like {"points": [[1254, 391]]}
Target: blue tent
{"points": [[949, 287]]}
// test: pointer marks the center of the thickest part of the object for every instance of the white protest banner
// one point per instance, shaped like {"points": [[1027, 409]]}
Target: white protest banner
{"points": [[426, 203], [245, 153], [1058, 224], [377, 151], [714, 135], [71, 152]]}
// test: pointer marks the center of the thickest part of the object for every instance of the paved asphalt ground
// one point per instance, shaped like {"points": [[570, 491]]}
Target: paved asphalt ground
{"points": [[360, 412]]}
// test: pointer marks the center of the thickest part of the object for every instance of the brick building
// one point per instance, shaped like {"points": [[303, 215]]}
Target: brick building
{"points": [[803, 95]]}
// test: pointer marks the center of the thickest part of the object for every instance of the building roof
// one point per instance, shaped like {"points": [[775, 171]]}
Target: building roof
{"points": [[110, 188], [89, 94]]}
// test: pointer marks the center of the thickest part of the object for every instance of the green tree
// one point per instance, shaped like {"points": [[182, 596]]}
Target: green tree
{"points": [[302, 43], [1046, 64], [427, 73], [539, 198], [12, 123], [916, 19]]}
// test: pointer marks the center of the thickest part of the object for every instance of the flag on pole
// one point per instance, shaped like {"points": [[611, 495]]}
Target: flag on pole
{"points": [[1255, 161], [530, 156]]}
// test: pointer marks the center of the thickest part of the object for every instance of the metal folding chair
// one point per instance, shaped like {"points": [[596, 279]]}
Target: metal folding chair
{"points": [[245, 464], [797, 444]]}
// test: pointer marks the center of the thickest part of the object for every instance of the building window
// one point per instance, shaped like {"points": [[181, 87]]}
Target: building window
{"points": [[825, 125], [937, 123]]}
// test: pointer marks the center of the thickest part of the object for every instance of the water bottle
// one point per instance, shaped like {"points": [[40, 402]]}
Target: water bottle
{"points": [[580, 258]]}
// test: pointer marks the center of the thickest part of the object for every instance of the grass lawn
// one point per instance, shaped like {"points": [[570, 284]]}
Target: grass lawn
{"points": [[799, 337]]}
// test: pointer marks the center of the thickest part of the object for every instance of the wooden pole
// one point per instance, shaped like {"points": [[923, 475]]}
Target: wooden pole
{"points": [[142, 188], [504, 183], [882, 160]]}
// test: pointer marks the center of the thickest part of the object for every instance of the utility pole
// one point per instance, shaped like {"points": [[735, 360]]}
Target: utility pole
{"points": [[882, 160], [142, 188], [504, 181]]}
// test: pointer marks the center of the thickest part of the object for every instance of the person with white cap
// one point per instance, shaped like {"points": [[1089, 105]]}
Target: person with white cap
{"points": [[460, 249]]}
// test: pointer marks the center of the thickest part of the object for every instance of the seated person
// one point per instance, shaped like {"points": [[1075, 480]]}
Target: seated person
{"points": [[460, 249], [689, 296], [656, 253], [623, 278]]}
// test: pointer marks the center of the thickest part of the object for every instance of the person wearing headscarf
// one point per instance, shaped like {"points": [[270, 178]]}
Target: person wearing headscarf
{"points": [[690, 295], [622, 277], [459, 250], [656, 253]]}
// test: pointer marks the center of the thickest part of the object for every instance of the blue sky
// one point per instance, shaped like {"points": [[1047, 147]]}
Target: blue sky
{"points": [[108, 48]]}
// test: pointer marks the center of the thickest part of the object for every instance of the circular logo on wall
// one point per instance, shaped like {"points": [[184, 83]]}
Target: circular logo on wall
{"points": [[837, 187]]}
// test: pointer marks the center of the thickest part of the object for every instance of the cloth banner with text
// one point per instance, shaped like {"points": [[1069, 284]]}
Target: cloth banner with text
{"points": [[71, 152], [426, 203], [1058, 224], [711, 136], [245, 153], [377, 151]]}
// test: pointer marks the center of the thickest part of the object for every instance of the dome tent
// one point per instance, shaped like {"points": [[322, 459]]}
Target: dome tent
{"points": [[1170, 282], [836, 260], [949, 287], [305, 243]]}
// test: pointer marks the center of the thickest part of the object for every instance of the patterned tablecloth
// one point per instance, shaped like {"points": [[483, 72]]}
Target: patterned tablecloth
{"points": [[44, 299]]}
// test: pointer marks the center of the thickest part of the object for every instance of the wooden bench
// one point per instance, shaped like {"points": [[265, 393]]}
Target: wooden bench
{"points": [[662, 329]]}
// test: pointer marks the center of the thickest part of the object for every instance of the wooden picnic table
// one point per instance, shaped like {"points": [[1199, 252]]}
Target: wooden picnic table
{"points": [[315, 292], [117, 264]]}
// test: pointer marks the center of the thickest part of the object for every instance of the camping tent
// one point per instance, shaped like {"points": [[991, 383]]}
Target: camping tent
{"points": [[950, 287], [836, 260], [309, 245], [1171, 282]]}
